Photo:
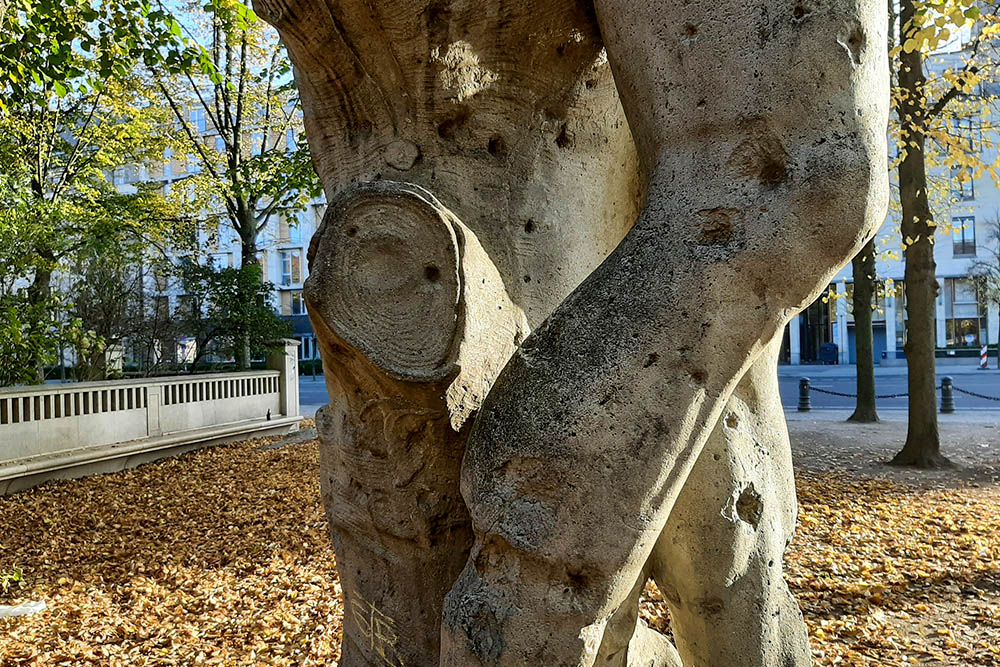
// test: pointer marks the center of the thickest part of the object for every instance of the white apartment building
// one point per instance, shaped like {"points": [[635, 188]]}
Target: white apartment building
{"points": [[282, 244]]}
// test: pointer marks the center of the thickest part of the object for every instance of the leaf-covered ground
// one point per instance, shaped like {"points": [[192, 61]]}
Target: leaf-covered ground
{"points": [[221, 557]]}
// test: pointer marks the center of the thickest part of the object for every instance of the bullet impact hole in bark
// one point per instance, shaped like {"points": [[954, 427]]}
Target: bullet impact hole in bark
{"points": [[497, 146], [450, 126], [761, 155], [749, 506], [565, 138], [717, 225]]}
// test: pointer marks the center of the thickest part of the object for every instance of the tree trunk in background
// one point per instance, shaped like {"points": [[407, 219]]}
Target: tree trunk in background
{"points": [[863, 267], [923, 442], [248, 257]]}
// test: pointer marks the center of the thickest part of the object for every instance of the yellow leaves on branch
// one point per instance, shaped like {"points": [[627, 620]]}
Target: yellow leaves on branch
{"points": [[935, 22]]}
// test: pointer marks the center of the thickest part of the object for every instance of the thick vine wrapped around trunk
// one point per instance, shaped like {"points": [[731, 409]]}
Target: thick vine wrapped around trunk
{"points": [[763, 129], [480, 167]]}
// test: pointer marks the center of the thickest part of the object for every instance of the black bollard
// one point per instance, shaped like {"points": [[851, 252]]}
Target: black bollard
{"points": [[947, 396], [804, 405]]}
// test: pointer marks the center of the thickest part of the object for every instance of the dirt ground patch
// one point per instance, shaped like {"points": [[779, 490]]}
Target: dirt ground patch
{"points": [[220, 557]]}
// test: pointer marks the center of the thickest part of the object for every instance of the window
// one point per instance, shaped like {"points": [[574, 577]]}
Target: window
{"points": [[291, 267], [220, 144], [962, 185], [179, 165], [160, 278], [126, 175], [290, 140], [298, 303], [878, 302], [186, 307], [161, 305], [292, 303], [968, 132], [284, 231], [965, 313], [198, 120], [964, 235], [308, 348], [222, 260], [257, 143], [288, 229]]}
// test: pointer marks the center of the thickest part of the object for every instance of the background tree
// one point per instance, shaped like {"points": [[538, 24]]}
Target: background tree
{"points": [[863, 268], [239, 124], [58, 159], [225, 309], [927, 110], [75, 110]]}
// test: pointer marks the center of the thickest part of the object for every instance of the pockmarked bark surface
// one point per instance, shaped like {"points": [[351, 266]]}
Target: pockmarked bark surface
{"points": [[762, 128], [479, 167]]}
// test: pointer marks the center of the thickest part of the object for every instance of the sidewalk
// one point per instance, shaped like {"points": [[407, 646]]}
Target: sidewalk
{"points": [[969, 415], [945, 366]]}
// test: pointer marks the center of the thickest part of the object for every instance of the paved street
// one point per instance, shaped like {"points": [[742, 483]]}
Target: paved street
{"points": [[892, 380], [312, 394]]}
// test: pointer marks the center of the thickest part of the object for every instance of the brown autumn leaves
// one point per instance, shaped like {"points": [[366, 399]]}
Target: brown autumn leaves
{"points": [[221, 557]]}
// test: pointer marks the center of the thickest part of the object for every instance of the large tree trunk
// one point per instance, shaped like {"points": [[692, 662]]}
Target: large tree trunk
{"points": [[572, 469], [863, 267], [479, 129], [512, 176], [923, 442]]}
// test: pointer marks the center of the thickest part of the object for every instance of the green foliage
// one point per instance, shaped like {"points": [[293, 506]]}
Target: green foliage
{"points": [[228, 309], [12, 578], [247, 104], [43, 42], [60, 146], [27, 339]]}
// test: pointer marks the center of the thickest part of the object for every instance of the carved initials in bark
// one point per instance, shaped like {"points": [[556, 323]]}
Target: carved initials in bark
{"points": [[760, 135]]}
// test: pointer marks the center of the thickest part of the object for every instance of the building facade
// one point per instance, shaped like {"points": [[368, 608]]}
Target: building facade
{"points": [[968, 218], [282, 244]]}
